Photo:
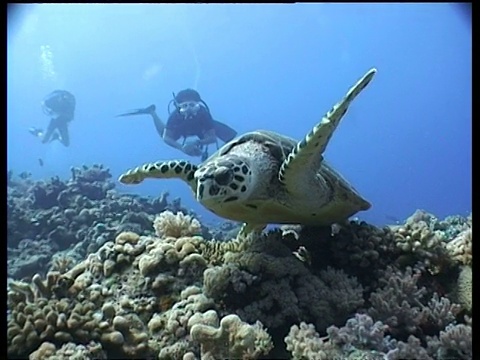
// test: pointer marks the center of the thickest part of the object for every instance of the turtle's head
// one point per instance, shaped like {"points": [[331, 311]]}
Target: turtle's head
{"points": [[223, 181]]}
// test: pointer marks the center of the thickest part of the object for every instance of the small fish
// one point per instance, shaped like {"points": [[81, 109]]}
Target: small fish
{"points": [[40, 161]]}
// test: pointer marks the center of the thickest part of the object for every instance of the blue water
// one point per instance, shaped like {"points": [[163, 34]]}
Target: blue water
{"points": [[404, 144]]}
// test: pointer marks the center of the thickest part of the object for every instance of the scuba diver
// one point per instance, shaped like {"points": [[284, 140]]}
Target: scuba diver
{"points": [[59, 105], [190, 117]]}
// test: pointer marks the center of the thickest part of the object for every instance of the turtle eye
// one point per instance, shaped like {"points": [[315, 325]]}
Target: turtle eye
{"points": [[223, 176]]}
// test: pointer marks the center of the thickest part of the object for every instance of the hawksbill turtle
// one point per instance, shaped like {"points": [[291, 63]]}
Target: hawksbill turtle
{"points": [[263, 177]]}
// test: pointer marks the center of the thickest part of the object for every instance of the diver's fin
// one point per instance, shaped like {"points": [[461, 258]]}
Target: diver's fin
{"points": [[148, 110], [224, 132]]}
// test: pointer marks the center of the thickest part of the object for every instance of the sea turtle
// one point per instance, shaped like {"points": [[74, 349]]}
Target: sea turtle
{"points": [[264, 177]]}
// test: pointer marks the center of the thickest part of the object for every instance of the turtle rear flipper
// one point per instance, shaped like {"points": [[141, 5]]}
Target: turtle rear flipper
{"points": [[181, 169], [309, 150]]}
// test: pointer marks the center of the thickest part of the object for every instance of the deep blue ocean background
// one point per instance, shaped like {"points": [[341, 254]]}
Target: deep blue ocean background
{"points": [[404, 144]]}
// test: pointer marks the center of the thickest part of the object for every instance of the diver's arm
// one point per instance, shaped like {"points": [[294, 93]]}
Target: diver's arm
{"points": [[208, 138], [168, 138], [189, 149]]}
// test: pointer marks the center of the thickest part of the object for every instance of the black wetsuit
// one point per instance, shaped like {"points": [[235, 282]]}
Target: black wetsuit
{"points": [[198, 125], [62, 104]]}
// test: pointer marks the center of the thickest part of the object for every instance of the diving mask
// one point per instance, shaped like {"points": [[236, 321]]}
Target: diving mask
{"points": [[188, 107]]}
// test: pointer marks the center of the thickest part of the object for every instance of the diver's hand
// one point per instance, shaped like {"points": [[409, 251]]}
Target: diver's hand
{"points": [[192, 148], [36, 132]]}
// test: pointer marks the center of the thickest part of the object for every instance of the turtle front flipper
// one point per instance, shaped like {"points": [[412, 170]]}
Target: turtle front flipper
{"points": [[181, 169], [316, 141]]}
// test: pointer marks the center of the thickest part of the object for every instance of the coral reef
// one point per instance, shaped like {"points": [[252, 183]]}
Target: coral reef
{"points": [[73, 218], [164, 290], [362, 338]]}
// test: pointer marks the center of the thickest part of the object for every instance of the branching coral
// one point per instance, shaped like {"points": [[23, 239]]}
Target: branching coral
{"points": [[420, 240], [360, 332], [279, 289], [455, 342], [398, 303], [412, 349], [357, 248], [438, 244], [61, 263], [303, 342], [362, 338]]}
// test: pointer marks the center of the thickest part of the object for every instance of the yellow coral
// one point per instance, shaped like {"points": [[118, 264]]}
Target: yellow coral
{"points": [[464, 289], [460, 248], [176, 225], [127, 237], [232, 339], [416, 236], [45, 350], [214, 251]]}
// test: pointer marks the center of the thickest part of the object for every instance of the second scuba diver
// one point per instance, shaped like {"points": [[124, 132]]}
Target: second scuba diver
{"points": [[190, 117], [59, 105]]}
